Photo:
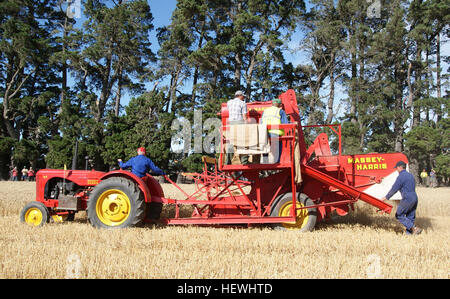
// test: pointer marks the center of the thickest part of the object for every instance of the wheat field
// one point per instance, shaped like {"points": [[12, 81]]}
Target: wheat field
{"points": [[363, 244]]}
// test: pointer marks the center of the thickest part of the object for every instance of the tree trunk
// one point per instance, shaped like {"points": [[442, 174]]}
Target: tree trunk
{"points": [[330, 114], [438, 75], [197, 72], [118, 94], [237, 70], [354, 101], [64, 67]]}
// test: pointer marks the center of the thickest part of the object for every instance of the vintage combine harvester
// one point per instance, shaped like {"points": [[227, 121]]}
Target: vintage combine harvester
{"points": [[305, 186]]}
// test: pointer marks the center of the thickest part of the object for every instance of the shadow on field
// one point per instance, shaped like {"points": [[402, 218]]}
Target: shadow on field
{"points": [[424, 222], [362, 217], [361, 220], [374, 221]]}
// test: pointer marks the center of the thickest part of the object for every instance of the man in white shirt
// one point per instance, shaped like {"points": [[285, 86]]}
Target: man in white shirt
{"points": [[237, 114], [237, 109]]}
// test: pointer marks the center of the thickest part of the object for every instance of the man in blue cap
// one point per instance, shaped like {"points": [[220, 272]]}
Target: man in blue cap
{"points": [[406, 210]]}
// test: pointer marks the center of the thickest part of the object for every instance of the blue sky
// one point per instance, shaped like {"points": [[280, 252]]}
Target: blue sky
{"points": [[162, 13]]}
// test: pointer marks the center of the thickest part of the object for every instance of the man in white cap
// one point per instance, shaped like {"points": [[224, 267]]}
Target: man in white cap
{"points": [[237, 109]]}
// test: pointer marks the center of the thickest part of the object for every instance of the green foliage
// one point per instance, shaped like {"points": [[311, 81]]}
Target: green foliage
{"points": [[144, 125], [6, 150], [423, 142], [385, 69], [442, 166], [193, 163], [60, 153], [350, 139]]}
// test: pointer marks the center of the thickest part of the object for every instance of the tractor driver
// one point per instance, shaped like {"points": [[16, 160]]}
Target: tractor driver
{"points": [[140, 164]]}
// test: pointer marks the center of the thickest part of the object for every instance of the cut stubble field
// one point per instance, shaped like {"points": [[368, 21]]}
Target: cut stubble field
{"points": [[363, 244]]}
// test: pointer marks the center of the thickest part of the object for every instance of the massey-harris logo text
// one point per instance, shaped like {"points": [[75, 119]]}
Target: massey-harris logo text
{"points": [[368, 163]]}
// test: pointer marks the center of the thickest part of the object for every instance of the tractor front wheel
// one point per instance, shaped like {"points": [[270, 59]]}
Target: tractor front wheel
{"points": [[116, 203], [34, 213], [305, 218]]}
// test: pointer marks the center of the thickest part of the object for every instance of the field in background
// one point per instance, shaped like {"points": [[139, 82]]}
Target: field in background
{"points": [[360, 245]]}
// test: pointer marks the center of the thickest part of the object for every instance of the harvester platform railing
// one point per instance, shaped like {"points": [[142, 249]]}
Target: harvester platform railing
{"points": [[286, 158], [238, 187], [336, 128]]}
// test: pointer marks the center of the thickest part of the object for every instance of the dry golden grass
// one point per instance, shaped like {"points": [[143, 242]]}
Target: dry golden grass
{"points": [[358, 245]]}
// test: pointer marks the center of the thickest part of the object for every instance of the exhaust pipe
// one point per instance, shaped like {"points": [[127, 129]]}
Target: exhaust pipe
{"points": [[86, 165]]}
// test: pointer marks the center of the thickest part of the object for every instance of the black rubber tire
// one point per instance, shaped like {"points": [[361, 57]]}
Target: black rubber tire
{"points": [[306, 201], [36, 205], [136, 198]]}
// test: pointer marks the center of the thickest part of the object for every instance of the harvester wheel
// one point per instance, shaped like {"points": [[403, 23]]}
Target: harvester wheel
{"points": [[116, 203], [34, 213], [306, 218]]}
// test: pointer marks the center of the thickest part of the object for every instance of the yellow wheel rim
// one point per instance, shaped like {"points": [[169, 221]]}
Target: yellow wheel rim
{"points": [[113, 207], [301, 218], [33, 216]]}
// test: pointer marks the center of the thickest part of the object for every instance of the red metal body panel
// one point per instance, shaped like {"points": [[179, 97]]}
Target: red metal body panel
{"points": [[87, 179], [233, 194], [149, 185], [328, 180]]}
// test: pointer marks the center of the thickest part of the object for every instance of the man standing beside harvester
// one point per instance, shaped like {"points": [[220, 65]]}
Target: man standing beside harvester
{"points": [[406, 211]]}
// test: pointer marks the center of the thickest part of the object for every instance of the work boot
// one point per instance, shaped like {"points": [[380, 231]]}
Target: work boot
{"points": [[416, 230]]}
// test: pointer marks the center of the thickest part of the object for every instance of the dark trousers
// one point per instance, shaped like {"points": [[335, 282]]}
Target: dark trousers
{"points": [[406, 212]]}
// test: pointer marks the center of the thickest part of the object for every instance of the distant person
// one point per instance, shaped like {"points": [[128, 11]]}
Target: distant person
{"points": [[433, 179], [274, 115], [406, 210], [31, 174], [15, 173], [140, 164], [424, 178], [24, 174]]}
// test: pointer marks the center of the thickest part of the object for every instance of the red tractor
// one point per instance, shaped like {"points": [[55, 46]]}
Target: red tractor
{"points": [[306, 185]]}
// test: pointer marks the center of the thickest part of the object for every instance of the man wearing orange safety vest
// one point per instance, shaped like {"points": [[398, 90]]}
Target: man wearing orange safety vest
{"points": [[274, 115]]}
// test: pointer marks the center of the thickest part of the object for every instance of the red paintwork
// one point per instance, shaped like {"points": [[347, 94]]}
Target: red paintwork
{"points": [[333, 182], [87, 179]]}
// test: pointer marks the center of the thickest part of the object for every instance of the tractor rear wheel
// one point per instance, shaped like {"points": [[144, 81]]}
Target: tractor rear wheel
{"points": [[34, 213], [116, 203], [306, 218]]}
